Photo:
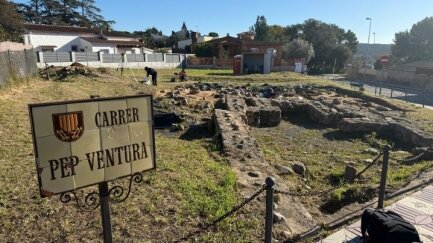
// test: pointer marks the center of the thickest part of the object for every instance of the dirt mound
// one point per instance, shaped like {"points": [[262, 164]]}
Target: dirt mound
{"points": [[58, 73]]}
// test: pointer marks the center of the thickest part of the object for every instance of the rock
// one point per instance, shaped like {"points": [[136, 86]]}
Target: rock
{"points": [[253, 174], [194, 90], [369, 161], [278, 218], [350, 173], [284, 170], [336, 101], [183, 100], [383, 108], [298, 168], [177, 127], [371, 151]]}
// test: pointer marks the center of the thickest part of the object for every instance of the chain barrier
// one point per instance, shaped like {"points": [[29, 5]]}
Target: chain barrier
{"points": [[318, 193], [207, 226], [413, 158]]}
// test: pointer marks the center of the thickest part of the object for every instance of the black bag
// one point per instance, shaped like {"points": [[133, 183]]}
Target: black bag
{"points": [[386, 227]]}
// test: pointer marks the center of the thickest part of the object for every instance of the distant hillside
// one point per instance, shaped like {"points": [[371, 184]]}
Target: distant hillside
{"points": [[374, 51]]}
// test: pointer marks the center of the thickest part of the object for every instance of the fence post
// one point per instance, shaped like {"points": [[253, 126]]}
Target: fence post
{"points": [[41, 57], [423, 99], [164, 57], [383, 176], [101, 57], [73, 59], [391, 93], [270, 182]]}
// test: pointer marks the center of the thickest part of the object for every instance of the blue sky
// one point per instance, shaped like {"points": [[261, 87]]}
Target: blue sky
{"points": [[234, 16]]}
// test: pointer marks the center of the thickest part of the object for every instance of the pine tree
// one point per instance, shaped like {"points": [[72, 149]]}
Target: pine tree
{"points": [[68, 13], [31, 11], [90, 14], [51, 12]]}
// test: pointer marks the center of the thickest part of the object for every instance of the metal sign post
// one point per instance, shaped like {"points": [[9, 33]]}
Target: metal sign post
{"points": [[105, 212]]}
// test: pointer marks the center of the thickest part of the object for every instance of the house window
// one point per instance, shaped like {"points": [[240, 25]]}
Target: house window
{"points": [[74, 48], [106, 51]]}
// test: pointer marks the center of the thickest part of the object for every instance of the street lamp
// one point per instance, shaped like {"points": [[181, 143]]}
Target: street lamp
{"points": [[368, 48]]}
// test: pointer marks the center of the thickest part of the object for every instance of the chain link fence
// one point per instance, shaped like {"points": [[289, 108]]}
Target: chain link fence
{"points": [[17, 65]]}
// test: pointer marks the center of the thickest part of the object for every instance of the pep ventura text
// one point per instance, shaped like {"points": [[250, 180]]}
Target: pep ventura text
{"points": [[65, 167]]}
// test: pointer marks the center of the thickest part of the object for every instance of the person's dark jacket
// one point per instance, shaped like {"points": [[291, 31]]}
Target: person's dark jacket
{"points": [[150, 71]]}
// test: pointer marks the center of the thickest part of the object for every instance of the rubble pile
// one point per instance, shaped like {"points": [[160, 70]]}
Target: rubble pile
{"points": [[71, 70]]}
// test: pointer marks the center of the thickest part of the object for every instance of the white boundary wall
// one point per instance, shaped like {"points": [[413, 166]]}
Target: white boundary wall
{"points": [[41, 63]]}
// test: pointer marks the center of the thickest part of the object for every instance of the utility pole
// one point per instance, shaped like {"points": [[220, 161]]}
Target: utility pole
{"points": [[374, 37], [368, 49]]}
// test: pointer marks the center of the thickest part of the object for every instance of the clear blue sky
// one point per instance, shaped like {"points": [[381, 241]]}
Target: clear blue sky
{"points": [[234, 16]]}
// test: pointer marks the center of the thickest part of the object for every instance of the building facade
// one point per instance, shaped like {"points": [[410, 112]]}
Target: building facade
{"points": [[79, 39]]}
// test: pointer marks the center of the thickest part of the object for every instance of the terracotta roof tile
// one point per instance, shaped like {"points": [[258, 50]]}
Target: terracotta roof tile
{"points": [[113, 42], [73, 29]]}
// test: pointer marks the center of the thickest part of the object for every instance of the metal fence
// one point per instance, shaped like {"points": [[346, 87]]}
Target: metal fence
{"points": [[155, 57], [172, 58], [86, 57], [135, 57], [15, 65]]}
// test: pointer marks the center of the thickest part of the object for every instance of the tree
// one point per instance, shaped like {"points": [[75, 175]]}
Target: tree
{"points": [[67, 12], [89, 13], [31, 11], [11, 22], [260, 28], [299, 48], [277, 33], [148, 40], [416, 44], [50, 12], [294, 31], [331, 45], [213, 34], [203, 50]]}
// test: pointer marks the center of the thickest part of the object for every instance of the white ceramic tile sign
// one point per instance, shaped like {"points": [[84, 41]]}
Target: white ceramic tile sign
{"points": [[85, 142]]}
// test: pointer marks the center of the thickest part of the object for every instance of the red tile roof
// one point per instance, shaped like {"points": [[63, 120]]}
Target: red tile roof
{"points": [[113, 42], [73, 29]]}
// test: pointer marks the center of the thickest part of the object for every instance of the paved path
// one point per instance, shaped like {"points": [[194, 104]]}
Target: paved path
{"points": [[398, 92], [416, 208]]}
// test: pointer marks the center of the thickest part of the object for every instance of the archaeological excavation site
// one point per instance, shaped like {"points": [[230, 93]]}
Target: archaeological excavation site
{"points": [[321, 144]]}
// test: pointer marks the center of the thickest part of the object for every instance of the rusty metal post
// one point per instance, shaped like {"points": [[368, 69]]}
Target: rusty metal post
{"points": [[269, 220], [383, 176]]}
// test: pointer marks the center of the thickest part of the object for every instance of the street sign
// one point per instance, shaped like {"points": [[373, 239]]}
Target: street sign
{"points": [[85, 142], [384, 60]]}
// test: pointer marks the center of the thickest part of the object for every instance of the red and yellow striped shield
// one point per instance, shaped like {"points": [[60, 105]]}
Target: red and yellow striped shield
{"points": [[68, 127]]}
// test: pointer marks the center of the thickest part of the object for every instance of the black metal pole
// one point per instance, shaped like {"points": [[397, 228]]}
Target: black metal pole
{"points": [[423, 99], [105, 212], [270, 182], [105, 205], [383, 176]]}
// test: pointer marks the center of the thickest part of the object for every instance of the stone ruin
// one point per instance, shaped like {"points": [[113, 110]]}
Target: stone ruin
{"points": [[235, 112], [237, 108]]}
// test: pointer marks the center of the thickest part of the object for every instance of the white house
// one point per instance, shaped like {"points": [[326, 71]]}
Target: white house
{"points": [[79, 39]]}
